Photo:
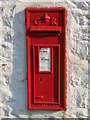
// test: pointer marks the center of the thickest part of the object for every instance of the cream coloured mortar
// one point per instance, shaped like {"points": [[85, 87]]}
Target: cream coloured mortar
{"points": [[13, 75]]}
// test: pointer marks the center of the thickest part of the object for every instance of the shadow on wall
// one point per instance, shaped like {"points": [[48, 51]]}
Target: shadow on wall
{"points": [[18, 86]]}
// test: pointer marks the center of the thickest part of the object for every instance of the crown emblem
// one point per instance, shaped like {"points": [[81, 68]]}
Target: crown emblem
{"points": [[45, 18]]}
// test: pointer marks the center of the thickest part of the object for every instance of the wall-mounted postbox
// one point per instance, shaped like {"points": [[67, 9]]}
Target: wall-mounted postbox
{"points": [[46, 58]]}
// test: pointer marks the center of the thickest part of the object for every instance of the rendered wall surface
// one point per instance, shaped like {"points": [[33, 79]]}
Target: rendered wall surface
{"points": [[13, 69]]}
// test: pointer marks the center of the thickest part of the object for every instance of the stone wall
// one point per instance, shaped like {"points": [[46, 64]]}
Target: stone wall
{"points": [[13, 69]]}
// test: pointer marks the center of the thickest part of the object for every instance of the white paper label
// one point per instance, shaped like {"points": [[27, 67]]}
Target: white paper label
{"points": [[45, 59]]}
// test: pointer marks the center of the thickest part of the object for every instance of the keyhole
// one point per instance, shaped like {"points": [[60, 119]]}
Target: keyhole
{"points": [[40, 79]]}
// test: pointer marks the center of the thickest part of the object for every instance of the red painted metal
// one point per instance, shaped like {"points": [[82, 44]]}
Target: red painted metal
{"points": [[46, 28]]}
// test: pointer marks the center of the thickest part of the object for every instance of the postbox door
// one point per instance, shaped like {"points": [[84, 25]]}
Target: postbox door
{"points": [[46, 62]]}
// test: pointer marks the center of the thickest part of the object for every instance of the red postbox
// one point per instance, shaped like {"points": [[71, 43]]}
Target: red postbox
{"points": [[46, 58]]}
